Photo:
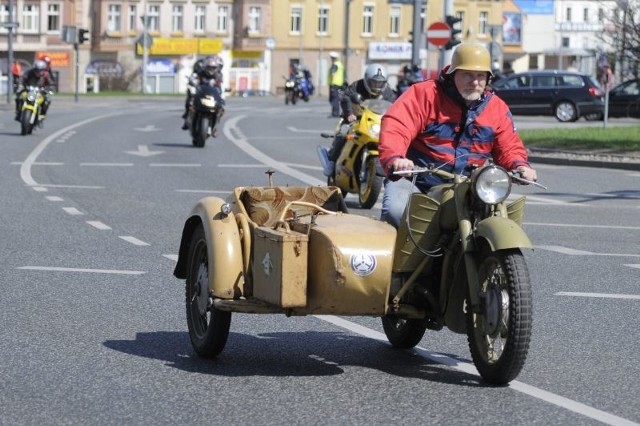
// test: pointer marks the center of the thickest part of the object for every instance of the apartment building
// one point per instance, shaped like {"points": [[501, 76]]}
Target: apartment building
{"points": [[260, 39]]}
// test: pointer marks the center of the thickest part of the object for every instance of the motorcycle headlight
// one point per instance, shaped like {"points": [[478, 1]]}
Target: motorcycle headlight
{"points": [[492, 184], [31, 97], [208, 102], [374, 130]]}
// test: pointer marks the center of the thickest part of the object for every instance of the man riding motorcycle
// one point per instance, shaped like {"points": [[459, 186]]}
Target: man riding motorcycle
{"points": [[38, 76], [452, 123], [372, 86], [204, 71]]}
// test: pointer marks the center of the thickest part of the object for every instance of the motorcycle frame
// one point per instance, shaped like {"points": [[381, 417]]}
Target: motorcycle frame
{"points": [[497, 229]]}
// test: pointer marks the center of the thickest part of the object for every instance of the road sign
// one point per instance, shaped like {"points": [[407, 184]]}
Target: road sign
{"points": [[438, 33]]}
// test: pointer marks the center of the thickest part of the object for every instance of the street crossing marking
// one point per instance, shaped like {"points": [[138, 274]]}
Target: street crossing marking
{"points": [[99, 225], [72, 211], [54, 198], [575, 252]]}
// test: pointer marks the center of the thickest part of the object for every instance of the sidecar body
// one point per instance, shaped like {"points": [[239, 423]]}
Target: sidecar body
{"points": [[294, 250]]}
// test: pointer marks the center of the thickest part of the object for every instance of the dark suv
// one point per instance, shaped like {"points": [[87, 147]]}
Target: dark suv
{"points": [[564, 94]]}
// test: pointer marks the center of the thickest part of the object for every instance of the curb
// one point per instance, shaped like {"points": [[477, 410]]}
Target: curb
{"points": [[633, 165]]}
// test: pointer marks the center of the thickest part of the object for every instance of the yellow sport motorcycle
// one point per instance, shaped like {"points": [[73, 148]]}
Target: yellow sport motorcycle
{"points": [[31, 101], [357, 169], [455, 261]]}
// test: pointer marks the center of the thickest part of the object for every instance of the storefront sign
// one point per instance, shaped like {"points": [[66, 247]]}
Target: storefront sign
{"points": [[390, 50], [182, 46], [104, 68], [58, 59]]}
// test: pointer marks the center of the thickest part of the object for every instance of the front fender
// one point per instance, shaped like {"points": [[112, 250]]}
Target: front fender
{"points": [[502, 233], [224, 250]]}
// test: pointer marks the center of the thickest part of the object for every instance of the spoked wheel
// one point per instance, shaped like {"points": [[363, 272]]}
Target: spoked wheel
{"points": [[208, 327], [370, 183], [499, 337], [202, 131], [403, 333]]}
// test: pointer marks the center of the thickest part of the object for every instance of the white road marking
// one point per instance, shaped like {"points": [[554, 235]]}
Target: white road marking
{"points": [[174, 165], [25, 169], [133, 240], [173, 257], [51, 163], [204, 191], [468, 368], [71, 186], [107, 164], [143, 151], [240, 166], [40, 189], [54, 198], [296, 130], [575, 225], [574, 252], [73, 211], [98, 225], [600, 295], [631, 265], [96, 271]]}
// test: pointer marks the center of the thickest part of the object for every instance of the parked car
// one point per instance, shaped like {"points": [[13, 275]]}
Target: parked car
{"points": [[564, 94], [624, 99]]}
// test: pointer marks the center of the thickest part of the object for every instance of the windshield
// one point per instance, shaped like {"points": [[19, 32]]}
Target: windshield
{"points": [[378, 106]]}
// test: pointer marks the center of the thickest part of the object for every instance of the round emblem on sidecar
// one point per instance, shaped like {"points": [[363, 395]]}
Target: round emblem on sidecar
{"points": [[363, 264]]}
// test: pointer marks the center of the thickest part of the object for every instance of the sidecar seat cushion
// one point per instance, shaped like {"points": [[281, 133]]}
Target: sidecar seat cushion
{"points": [[265, 205]]}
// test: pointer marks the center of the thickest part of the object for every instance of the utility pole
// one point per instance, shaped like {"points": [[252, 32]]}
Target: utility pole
{"points": [[346, 35], [145, 47], [417, 32], [11, 23]]}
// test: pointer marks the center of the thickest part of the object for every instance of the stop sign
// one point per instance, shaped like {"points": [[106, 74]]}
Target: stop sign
{"points": [[438, 33]]}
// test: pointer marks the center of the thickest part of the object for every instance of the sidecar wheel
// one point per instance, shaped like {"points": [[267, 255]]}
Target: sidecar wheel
{"points": [[208, 327], [499, 337], [403, 333], [370, 184]]}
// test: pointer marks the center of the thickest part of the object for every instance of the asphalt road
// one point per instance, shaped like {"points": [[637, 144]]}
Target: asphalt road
{"points": [[94, 328]]}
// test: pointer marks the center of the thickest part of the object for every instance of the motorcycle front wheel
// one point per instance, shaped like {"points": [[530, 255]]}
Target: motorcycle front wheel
{"points": [[499, 336], [201, 132], [208, 326], [25, 122], [370, 184], [403, 333]]}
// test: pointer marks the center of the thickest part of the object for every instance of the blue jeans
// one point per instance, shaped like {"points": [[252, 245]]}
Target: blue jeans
{"points": [[394, 200]]}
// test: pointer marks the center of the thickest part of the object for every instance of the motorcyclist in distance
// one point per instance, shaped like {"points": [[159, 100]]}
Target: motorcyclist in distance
{"points": [[373, 85], [36, 76], [203, 71]]}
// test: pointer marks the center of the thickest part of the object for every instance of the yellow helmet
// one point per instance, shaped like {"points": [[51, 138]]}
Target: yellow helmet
{"points": [[470, 57]]}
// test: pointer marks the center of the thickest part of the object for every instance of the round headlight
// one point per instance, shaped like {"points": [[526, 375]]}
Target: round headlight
{"points": [[374, 129], [492, 184], [225, 209]]}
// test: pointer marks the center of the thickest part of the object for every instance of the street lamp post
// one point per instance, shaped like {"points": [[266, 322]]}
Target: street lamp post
{"points": [[346, 35], [145, 46]]}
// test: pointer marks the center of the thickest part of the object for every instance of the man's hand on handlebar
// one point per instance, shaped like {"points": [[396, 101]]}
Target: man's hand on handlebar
{"points": [[402, 164], [527, 173]]}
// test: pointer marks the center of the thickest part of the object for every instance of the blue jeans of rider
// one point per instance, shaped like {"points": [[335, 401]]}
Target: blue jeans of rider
{"points": [[394, 200]]}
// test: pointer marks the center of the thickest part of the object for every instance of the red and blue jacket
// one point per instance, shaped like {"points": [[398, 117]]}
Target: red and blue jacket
{"points": [[431, 124]]}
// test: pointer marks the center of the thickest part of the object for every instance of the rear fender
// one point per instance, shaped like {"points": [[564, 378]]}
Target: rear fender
{"points": [[224, 249], [502, 233]]}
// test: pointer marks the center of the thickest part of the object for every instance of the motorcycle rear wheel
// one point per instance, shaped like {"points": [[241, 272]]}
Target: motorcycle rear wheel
{"points": [[25, 122], [499, 337], [370, 184], [201, 132], [208, 326], [403, 333]]}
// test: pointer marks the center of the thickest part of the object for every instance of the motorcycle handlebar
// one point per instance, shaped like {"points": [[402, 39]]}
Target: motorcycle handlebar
{"points": [[515, 175]]}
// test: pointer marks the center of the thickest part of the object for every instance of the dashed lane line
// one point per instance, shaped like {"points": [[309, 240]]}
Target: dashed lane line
{"points": [[94, 271], [99, 225], [72, 211], [598, 295], [133, 240], [54, 198], [575, 252]]}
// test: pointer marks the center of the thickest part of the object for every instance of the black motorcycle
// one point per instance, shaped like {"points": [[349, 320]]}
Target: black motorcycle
{"points": [[204, 114], [291, 90]]}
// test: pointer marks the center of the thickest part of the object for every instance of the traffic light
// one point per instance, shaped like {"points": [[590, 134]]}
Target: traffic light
{"points": [[455, 30], [82, 35]]}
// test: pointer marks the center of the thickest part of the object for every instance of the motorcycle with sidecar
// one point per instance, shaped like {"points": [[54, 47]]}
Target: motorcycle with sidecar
{"points": [[455, 261]]}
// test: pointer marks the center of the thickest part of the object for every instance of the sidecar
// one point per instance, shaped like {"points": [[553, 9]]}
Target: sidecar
{"points": [[290, 250]]}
